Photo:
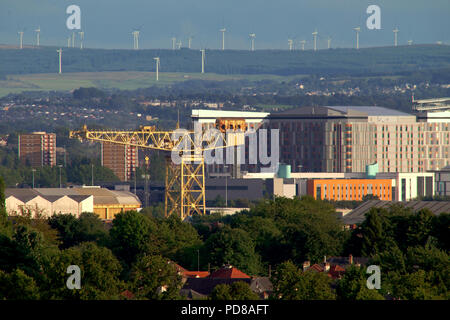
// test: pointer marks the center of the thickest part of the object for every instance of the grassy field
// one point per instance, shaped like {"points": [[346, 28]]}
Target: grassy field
{"points": [[129, 80]]}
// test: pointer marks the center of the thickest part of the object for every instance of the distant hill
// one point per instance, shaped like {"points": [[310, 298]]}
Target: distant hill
{"points": [[364, 62]]}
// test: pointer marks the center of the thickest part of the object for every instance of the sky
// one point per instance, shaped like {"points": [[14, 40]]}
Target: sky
{"points": [[109, 23]]}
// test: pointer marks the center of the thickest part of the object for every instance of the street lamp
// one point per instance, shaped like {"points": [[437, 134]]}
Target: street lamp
{"points": [[226, 187], [33, 171], [60, 165]]}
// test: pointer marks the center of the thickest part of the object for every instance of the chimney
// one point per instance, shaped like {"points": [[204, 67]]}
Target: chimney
{"points": [[324, 259], [326, 267], [350, 259], [306, 265], [270, 270]]}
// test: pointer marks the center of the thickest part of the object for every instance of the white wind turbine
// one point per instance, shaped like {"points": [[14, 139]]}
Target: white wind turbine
{"points": [[73, 39], [329, 42], [173, 42], [81, 33], [179, 44], [223, 37], [135, 34], [410, 42], [60, 65], [203, 60], [358, 30], [252, 39], [38, 31], [395, 36], [315, 33], [189, 42], [21, 39], [68, 42], [303, 42], [157, 68], [291, 44]]}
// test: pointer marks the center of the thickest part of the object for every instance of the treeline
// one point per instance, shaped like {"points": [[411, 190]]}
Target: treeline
{"points": [[366, 61]]}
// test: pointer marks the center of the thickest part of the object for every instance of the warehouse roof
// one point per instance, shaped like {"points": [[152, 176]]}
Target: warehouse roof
{"points": [[358, 215], [340, 111], [101, 196]]}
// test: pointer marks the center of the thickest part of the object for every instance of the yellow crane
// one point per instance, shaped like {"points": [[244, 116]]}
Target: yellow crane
{"points": [[185, 181]]}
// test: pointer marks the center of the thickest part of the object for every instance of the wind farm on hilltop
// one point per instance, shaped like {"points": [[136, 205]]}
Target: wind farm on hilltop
{"points": [[302, 56]]}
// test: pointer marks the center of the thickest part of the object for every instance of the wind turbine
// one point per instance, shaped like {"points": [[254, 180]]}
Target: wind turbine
{"points": [[157, 68], [38, 31], [179, 44], [68, 42], [395, 36], [315, 33], [21, 39], [329, 42], [173, 42], [303, 44], [73, 39], [60, 54], [223, 37], [135, 34], [291, 44], [410, 42], [358, 30], [189, 41], [203, 60], [252, 39], [81, 33]]}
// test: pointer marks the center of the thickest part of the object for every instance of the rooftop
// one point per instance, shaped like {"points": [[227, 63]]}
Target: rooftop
{"points": [[358, 215], [341, 111]]}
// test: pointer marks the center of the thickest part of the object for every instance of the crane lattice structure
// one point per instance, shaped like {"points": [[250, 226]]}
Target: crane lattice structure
{"points": [[185, 181]]}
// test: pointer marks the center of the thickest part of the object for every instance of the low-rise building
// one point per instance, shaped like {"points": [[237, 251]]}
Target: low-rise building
{"points": [[48, 201]]}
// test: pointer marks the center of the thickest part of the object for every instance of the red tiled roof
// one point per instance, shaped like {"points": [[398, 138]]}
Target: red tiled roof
{"points": [[229, 272], [316, 267], [127, 294]]}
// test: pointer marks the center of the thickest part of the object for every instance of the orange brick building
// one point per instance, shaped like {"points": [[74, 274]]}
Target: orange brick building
{"points": [[121, 159], [349, 189], [37, 149]]}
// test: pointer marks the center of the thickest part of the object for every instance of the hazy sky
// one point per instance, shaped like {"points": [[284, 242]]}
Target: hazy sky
{"points": [[109, 23]]}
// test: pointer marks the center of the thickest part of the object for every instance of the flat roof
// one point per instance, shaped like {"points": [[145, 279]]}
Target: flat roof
{"points": [[370, 110]]}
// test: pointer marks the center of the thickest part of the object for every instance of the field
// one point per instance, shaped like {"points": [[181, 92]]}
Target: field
{"points": [[125, 80]]}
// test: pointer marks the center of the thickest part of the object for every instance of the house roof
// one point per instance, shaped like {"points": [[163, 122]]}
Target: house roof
{"points": [[229, 272], [192, 294], [205, 286], [357, 215]]}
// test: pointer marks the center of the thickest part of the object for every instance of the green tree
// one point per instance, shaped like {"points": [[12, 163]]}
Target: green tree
{"points": [[5, 225], [238, 290], [153, 277], [290, 283], [353, 286], [416, 286], [17, 286], [374, 237], [130, 235], [175, 236], [420, 228], [233, 246], [100, 271]]}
